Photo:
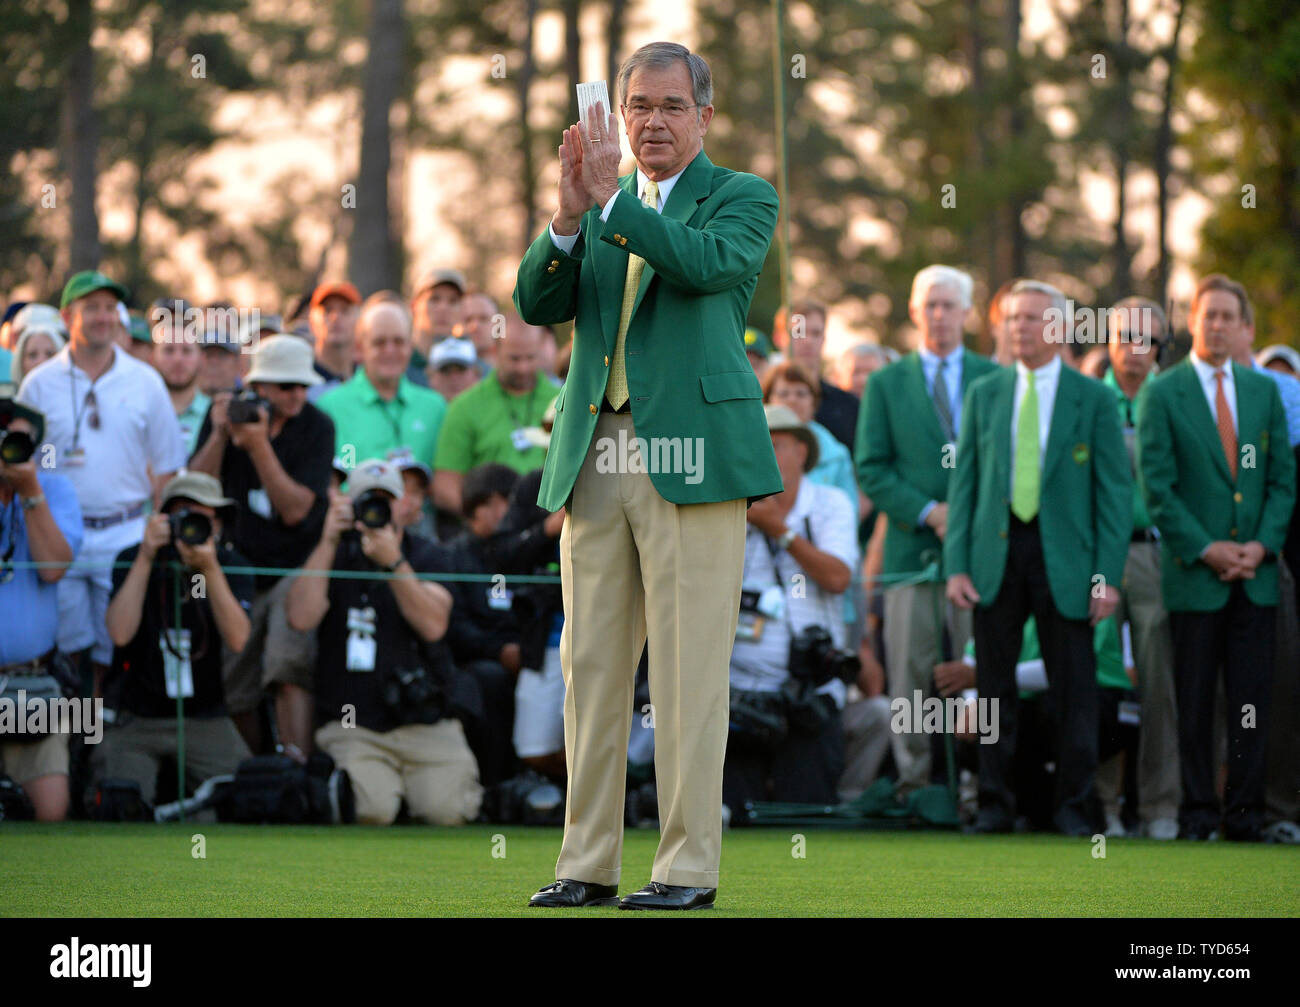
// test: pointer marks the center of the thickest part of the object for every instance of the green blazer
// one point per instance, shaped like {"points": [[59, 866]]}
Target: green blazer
{"points": [[899, 451], [1085, 513], [689, 381], [1192, 498]]}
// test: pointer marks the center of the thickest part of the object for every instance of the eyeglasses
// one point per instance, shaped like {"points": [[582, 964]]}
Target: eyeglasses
{"points": [[92, 418], [671, 110]]}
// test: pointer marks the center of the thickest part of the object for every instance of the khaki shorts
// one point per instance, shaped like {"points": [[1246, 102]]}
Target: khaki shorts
{"points": [[24, 761], [428, 764], [275, 653]]}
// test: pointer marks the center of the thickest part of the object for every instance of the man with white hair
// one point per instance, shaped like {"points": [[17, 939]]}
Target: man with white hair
{"points": [[857, 364], [1040, 515], [907, 429], [379, 410]]}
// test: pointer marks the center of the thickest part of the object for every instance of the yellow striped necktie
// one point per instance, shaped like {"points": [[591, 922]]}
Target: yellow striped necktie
{"points": [[616, 389]]}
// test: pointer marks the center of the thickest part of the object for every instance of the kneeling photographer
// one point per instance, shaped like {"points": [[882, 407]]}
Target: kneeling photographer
{"points": [[161, 661], [383, 674], [788, 671]]}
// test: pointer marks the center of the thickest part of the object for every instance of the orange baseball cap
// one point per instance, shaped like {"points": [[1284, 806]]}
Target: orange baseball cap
{"points": [[345, 290]]}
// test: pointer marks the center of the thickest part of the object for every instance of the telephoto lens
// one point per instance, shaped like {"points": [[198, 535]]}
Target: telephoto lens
{"points": [[16, 446], [190, 527], [372, 509]]}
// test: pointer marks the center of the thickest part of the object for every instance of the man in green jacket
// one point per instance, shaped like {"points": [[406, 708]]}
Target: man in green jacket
{"points": [[1040, 510], [659, 441], [1219, 479], [905, 449]]}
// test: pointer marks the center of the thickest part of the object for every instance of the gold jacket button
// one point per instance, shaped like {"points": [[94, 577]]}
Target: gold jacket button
{"points": [[555, 263], [593, 409], [1233, 533], [550, 269], [1236, 497], [1002, 533], [618, 237], [607, 361]]}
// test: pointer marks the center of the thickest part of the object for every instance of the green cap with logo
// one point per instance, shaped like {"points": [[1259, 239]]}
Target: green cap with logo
{"points": [[87, 282], [757, 342]]}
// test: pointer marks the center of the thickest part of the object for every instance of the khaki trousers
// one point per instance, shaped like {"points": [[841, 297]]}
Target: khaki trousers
{"points": [[133, 747], [1142, 606], [636, 569], [912, 640], [428, 764]]}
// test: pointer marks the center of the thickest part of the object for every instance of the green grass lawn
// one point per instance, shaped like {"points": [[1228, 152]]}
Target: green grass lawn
{"points": [[83, 869]]}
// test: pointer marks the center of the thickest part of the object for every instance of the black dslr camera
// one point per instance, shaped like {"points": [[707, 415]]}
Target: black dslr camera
{"points": [[816, 660], [190, 527], [373, 509], [244, 406], [16, 446], [413, 696]]}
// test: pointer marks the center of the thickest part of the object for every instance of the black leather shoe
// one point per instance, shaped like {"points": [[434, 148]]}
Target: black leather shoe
{"points": [[569, 894], [989, 822], [657, 896]]}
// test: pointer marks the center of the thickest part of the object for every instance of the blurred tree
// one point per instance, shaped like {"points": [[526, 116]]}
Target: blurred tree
{"points": [[912, 139], [1246, 62], [373, 259]]}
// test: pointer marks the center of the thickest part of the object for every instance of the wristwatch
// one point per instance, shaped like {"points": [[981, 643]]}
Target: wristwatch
{"points": [[784, 541], [31, 503]]}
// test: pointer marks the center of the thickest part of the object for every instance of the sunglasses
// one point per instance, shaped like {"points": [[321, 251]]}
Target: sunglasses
{"points": [[92, 418], [289, 386]]}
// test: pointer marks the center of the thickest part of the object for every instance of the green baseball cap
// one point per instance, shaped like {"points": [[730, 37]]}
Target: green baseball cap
{"points": [[87, 282], [757, 342], [139, 329]]}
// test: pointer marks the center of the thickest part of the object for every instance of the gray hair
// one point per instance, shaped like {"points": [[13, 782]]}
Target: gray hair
{"points": [[660, 55], [1130, 309], [865, 349], [1038, 287], [942, 276]]}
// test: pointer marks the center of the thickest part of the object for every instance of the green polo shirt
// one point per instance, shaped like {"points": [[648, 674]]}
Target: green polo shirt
{"points": [[371, 427], [1128, 423], [191, 421], [482, 424]]}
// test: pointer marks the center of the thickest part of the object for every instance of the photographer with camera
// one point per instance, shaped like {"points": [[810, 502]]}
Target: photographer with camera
{"points": [[161, 661], [272, 451], [788, 675], [383, 679], [40, 521]]}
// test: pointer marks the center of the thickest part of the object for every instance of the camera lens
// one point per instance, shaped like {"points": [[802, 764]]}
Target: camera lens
{"points": [[191, 527], [16, 447], [373, 510]]}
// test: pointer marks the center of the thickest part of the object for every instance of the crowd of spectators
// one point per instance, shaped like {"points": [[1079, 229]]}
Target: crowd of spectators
{"points": [[353, 488]]}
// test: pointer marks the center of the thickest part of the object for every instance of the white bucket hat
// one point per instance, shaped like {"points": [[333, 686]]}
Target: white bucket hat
{"points": [[283, 359]]}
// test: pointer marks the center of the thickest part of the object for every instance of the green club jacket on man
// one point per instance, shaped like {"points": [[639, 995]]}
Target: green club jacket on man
{"points": [[692, 390], [1085, 510], [1192, 497], [900, 456]]}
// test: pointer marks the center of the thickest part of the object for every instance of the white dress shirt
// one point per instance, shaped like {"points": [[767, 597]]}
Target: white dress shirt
{"points": [[1206, 371], [565, 242], [1046, 379]]}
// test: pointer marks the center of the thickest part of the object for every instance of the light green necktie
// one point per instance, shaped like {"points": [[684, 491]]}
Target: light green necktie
{"points": [[616, 389], [1026, 482]]}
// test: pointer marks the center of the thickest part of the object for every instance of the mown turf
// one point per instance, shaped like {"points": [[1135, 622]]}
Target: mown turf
{"points": [[82, 869]]}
